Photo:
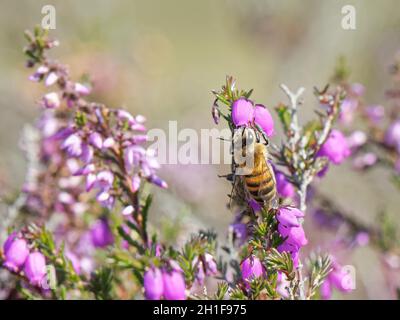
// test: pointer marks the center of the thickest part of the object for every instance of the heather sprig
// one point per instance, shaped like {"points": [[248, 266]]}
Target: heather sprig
{"points": [[270, 265]]}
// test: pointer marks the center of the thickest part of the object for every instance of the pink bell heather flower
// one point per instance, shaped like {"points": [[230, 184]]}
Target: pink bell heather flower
{"points": [[357, 139], [96, 140], [51, 100], [338, 278], [293, 232], [128, 210], [153, 284], [365, 160], [392, 136], [38, 75], [375, 113], [15, 251], [158, 181], [263, 118], [284, 187], [326, 290], [101, 234], [335, 148], [174, 285], [295, 235], [73, 145], [81, 89], [242, 112], [35, 268], [109, 142], [251, 268], [211, 265], [362, 238], [135, 183], [357, 89], [347, 110], [239, 231], [287, 216], [51, 79]]}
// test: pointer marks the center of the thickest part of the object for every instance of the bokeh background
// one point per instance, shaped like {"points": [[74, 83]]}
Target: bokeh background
{"points": [[162, 59]]}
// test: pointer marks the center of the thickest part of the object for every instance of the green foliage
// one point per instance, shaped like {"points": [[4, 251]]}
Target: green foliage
{"points": [[101, 284], [282, 262], [320, 268], [222, 289]]}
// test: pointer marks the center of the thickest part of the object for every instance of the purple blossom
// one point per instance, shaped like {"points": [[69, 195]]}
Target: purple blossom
{"points": [[174, 285], [347, 110], [375, 113], [96, 140], [283, 186], [51, 79], [15, 252], [101, 234], [51, 100], [335, 148], [35, 268], [153, 284], [210, 264], [338, 278], [357, 139], [263, 118], [73, 145], [81, 89], [291, 229], [242, 112], [128, 210], [365, 160], [239, 231], [251, 268], [392, 136], [38, 75]]}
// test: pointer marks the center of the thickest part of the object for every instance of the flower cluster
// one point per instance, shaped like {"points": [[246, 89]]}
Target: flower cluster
{"points": [[292, 231], [18, 257], [168, 283]]}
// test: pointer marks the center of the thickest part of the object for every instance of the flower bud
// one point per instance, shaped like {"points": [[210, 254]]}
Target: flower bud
{"points": [[35, 268], [251, 268], [51, 79], [96, 140], [51, 100], [153, 284], [15, 251], [101, 233]]}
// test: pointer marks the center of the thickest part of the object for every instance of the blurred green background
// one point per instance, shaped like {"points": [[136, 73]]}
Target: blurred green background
{"points": [[162, 58]]}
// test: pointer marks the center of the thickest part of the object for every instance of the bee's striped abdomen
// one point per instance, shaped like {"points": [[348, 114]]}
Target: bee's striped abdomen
{"points": [[261, 185]]}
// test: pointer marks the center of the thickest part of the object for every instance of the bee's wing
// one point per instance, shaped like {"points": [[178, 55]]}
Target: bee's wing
{"points": [[238, 193]]}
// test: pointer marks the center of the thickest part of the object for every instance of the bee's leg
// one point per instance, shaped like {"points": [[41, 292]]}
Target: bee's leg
{"points": [[235, 180], [228, 177]]}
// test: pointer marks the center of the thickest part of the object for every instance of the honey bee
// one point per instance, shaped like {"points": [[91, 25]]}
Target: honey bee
{"points": [[254, 177]]}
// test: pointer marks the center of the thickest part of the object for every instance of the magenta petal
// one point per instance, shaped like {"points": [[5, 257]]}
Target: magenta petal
{"points": [[153, 284], [35, 268], [263, 118], [242, 112], [174, 285]]}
